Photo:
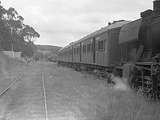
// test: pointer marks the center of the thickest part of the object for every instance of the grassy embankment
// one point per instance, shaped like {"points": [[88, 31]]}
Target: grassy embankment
{"points": [[125, 104]]}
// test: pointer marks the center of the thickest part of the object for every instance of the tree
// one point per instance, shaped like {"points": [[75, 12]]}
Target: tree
{"points": [[29, 33], [2, 11], [13, 32]]}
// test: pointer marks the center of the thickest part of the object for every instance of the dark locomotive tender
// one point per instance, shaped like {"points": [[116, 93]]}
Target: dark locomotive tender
{"points": [[123, 45]]}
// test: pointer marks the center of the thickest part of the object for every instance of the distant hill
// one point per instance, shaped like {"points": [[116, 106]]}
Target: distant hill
{"points": [[50, 48], [48, 51]]}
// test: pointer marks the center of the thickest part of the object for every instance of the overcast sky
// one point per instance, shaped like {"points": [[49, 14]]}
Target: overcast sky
{"points": [[60, 22]]}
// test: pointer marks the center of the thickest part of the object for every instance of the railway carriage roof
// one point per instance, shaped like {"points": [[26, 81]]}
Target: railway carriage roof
{"points": [[65, 47], [117, 24], [104, 29]]}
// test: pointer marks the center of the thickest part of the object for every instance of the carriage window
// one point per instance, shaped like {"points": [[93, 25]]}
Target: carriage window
{"points": [[78, 50], [74, 50], [70, 52], [84, 48], [101, 45], [89, 48]]}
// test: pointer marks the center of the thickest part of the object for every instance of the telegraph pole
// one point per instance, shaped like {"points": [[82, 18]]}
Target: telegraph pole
{"points": [[12, 43]]}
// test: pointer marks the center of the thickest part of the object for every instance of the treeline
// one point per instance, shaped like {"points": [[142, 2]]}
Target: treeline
{"points": [[14, 34]]}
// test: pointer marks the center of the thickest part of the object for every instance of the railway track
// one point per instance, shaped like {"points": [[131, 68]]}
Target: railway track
{"points": [[44, 95], [13, 82], [44, 106]]}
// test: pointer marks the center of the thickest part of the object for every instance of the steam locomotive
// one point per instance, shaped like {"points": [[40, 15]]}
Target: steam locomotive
{"points": [[132, 49]]}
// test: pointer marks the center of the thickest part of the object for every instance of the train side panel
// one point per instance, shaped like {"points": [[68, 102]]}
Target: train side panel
{"points": [[114, 53], [69, 54], [107, 48], [101, 51], [65, 55], [87, 51], [76, 53]]}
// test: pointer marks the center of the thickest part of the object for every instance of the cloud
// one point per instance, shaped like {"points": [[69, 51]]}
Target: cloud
{"points": [[62, 21]]}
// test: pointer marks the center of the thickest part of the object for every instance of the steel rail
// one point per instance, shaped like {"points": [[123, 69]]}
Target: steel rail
{"points": [[10, 85], [45, 97]]}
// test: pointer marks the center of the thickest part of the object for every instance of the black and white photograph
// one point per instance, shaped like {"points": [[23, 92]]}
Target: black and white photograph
{"points": [[79, 59]]}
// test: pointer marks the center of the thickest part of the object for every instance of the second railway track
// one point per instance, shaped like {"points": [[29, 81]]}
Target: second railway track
{"points": [[12, 83]]}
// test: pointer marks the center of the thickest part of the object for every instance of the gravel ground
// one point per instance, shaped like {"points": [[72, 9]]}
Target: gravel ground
{"points": [[70, 95]]}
